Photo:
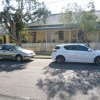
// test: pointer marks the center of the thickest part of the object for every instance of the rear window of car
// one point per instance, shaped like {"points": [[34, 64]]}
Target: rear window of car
{"points": [[57, 47], [0, 47]]}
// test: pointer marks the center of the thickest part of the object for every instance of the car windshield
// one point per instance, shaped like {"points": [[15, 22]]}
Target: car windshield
{"points": [[15, 47]]}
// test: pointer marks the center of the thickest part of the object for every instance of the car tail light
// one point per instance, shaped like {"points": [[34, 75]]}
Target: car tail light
{"points": [[56, 48]]}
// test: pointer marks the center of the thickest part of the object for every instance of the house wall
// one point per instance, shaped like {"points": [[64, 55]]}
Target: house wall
{"points": [[40, 36], [52, 36], [4, 39], [93, 37]]}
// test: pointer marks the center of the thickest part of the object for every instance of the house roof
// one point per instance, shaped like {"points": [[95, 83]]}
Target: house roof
{"points": [[56, 27], [55, 19], [51, 27]]}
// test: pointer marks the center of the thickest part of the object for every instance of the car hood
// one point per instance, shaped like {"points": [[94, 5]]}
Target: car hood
{"points": [[27, 51], [97, 50]]}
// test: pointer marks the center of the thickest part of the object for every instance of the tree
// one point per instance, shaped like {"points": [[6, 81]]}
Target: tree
{"points": [[14, 17], [88, 22], [85, 20], [25, 35], [71, 17]]}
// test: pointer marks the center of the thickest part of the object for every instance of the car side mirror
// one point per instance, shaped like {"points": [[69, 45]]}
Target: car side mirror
{"points": [[90, 50]]}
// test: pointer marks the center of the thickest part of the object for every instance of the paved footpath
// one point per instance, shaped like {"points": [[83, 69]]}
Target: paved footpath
{"points": [[42, 79]]}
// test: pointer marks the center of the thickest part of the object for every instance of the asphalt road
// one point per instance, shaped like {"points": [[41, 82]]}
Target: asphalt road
{"points": [[43, 79]]}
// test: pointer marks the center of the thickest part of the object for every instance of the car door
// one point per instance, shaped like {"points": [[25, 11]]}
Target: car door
{"points": [[8, 52], [70, 53], [82, 54]]}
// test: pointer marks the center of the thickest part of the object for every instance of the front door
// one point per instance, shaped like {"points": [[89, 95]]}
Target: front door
{"points": [[70, 53], [81, 54], [7, 52]]}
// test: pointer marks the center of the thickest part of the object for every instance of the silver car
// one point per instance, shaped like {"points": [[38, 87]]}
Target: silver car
{"points": [[8, 51]]}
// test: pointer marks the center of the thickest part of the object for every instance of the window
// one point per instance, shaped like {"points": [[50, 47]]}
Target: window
{"points": [[33, 37], [61, 35]]}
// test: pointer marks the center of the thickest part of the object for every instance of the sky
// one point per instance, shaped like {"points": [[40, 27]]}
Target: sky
{"points": [[56, 6]]}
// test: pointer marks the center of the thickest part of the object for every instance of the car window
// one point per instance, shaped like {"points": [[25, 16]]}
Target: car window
{"points": [[15, 47], [69, 47], [76, 47], [6, 47], [81, 48]]}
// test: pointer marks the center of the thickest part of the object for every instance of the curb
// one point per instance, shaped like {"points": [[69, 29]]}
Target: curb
{"points": [[43, 57]]}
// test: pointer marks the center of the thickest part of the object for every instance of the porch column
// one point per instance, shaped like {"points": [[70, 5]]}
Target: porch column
{"points": [[7, 39], [70, 32], [46, 41], [97, 37]]}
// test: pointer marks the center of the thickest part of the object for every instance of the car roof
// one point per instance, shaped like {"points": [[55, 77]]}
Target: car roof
{"points": [[6, 44], [67, 44]]}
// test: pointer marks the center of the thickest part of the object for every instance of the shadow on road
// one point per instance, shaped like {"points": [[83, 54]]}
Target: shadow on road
{"points": [[74, 66], [65, 80], [11, 65]]}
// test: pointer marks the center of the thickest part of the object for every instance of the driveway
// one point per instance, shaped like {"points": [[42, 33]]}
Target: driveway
{"points": [[43, 79]]}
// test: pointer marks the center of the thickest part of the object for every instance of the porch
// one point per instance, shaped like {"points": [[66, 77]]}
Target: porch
{"points": [[58, 34]]}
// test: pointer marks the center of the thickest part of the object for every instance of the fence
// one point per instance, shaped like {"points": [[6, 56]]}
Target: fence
{"points": [[40, 47], [48, 47]]}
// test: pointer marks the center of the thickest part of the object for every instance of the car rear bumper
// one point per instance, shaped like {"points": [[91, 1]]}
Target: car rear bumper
{"points": [[53, 57]]}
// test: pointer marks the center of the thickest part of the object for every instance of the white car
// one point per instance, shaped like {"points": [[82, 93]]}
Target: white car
{"points": [[8, 51], [75, 53]]}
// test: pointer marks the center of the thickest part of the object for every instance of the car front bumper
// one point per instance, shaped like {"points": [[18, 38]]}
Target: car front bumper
{"points": [[28, 57]]}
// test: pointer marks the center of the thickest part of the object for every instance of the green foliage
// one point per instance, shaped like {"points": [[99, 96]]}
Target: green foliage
{"points": [[85, 21], [74, 14], [71, 15], [14, 18], [25, 35], [88, 22], [67, 18]]}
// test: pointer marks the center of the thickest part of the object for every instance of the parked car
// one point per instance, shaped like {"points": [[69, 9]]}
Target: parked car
{"points": [[75, 53], [8, 51]]}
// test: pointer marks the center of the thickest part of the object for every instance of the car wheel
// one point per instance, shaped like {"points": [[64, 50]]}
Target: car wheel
{"points": [[60, 59], [97, 60], [19, 58]]}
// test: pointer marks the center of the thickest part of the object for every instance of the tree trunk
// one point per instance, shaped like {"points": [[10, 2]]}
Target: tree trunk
{"points": [[82, 37], [18, 41]]}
